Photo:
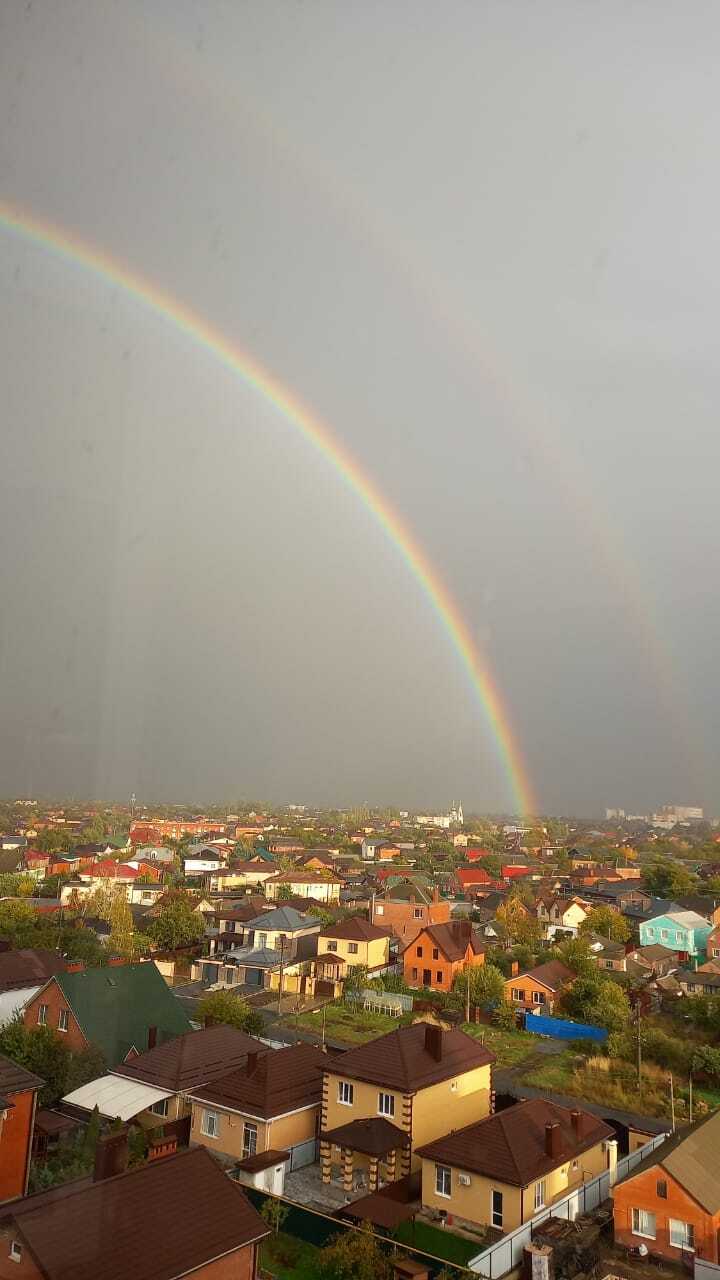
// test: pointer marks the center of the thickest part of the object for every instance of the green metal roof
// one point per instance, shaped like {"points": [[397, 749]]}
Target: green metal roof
{"points": [[116, 1005]]}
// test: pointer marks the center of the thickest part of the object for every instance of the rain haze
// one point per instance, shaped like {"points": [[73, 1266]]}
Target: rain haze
{"points": [[480, 243]]}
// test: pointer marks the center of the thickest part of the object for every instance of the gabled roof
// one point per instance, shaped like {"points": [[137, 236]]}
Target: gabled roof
{"points": [[285, 919], [158, 1222], [452, 939], [510, 1145], [303, 877], [553, 975], [116, 1005], [405, 891], [28, 967], [192, 1059], [356, 929], [279, 1081], [15, 1079], [402, 1059], [687, 919]]}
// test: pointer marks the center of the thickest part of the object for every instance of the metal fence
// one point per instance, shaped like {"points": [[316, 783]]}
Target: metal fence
{"points": [[303, 1154], [393, 1002], [562, 1028], [508, 1252]]}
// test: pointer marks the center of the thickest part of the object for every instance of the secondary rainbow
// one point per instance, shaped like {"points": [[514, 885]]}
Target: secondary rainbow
{"points": [[78, 251]]}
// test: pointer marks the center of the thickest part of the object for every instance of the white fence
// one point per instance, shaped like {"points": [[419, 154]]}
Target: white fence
{"points": [[507, 1253]]}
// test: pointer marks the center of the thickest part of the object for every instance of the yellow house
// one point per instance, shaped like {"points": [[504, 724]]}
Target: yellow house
{"points": [[383, 1099], [322, 886], [356, 941], [271, 1104], [503, 1170]]}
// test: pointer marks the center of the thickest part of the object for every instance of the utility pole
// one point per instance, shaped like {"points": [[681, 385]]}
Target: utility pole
{"points": [[690, 1100], [639, 1050], [672, 1102], [323, 1026], [282, 953], [467, 995]]}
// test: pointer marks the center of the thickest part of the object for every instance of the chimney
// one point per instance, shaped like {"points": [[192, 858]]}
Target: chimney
{"points": [[514, 969], [577, 1123], [152, 1037], [111, 1155], [552, 1139], [115, 961], [436, 894], [74, 966], [434, 1041], [251, 1064]]}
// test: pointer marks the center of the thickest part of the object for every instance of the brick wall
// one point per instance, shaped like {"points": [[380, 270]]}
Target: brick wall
{"points": [[400, 917], [53, 997], [15, 1139], [641, 1192]]}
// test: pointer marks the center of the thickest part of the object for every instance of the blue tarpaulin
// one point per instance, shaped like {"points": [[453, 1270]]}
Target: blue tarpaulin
{"points": [[561, 1029]]}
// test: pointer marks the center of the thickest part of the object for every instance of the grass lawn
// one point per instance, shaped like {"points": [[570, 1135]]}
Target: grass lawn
{"points": [[440, 1243], [556, 1072], [354, 1026], [510, 1047], [289, 1258]]}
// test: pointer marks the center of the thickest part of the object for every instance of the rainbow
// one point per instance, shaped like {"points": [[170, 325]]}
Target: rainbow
{"points": [[71, 248]]}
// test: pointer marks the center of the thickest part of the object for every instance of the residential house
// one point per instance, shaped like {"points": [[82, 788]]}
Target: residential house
{"points": [[226, 923], [558, 914], [500, 1171], [152, 1088], [354, 941], [606, 953], [383, 1099], [22, 973], [164, 1220], [371, 846], [683, 931], [539, 988], [671, 1201], [712, 944], [18, 1100], [407, 907], [440, 952], [251, 875], [271, 1104], [305, 884], [281, 929], [112, 1008], [657, 958], [698, 982], [470, 880]]}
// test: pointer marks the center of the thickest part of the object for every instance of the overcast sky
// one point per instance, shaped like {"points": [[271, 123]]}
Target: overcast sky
{"points": [[482, 241]]}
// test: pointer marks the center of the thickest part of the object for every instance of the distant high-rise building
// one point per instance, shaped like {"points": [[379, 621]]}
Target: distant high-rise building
{"points": [[614, 814]]}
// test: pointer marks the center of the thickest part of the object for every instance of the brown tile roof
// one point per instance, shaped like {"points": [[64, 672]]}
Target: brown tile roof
{"points": [[15, 1079], [281, 1080], [453, 938], [303, 877], [158, 1222], [374, 1136], [30, 966], [356, 929], [404, 1059], [510, 1146], [692, 1157], [552, 975], [263, 1160], [192, 1059]]}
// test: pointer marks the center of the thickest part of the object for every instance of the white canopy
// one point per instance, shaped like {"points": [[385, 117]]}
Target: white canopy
{"points": [[114, 1096]]}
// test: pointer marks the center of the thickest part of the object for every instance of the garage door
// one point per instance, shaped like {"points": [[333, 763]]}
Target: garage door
{"points": [[254, 977]]}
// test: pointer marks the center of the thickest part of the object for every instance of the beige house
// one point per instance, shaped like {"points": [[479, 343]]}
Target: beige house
{"points": [[356, 941], [503, 1170], [268, 1106], [383, 1099], [320, 886], [566, 914]]}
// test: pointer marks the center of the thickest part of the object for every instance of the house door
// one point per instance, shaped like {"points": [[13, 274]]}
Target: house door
{"points": [[496, 1208], [427, 977]]}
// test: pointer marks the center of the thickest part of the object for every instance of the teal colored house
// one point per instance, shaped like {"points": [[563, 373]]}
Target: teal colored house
{"points": [[683, 931]]}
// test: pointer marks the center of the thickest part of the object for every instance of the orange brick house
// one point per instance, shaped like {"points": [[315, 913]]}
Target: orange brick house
{"points": [[18, 1097], [671, 1203], [439, 953], [540, 987], [408, 907]]}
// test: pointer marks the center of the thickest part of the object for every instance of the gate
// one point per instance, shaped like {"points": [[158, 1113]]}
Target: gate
{"points": [[304, 1153]]}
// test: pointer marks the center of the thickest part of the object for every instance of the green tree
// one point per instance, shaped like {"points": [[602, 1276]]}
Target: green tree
{"points": [[706, 1058], [665, 879], [576, 954], [283, 893], [121, 926], [504, 1016], [223, 1006], [598, 1001], [518, 924], [274, 1212], [354, 1255], [40, 1051], [609, 923], [487, 986], [356, 980], [177, 925]]}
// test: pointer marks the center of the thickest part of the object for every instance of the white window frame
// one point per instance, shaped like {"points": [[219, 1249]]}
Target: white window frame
{"points": [[214, 1119], [379, 910], [42, 1015], [386, 1104], [540, 1194], [331, 946], [159, 1108], [346, 1093], [496, 1216], [417, 913], [249, 1130], [517, 995], [353, 948], [63, 1020], [443, 1178], [637, 1216], [685, 1229], [538, 997], [15, 1251]]}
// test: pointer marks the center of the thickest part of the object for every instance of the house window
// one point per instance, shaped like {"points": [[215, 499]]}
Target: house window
{"points": [[643, 1223], [438, 975], [332, 946], [608, 964], [352, 948], [650, 932], [42, 1015], [575, 1166], [210, 1124], [443, 1180], [496, 1208], [346, 1093], [63, 1020], [249, 1140], [262, 941], [664, 935], [379, 910], [661, 1188], [414, 973], [540, 1194], [15, 1251], [417, 913], [160, 1108], [436, 953], [682, 1234], [386, 1104], [538, 997], [516, 994], [418, 951]]}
